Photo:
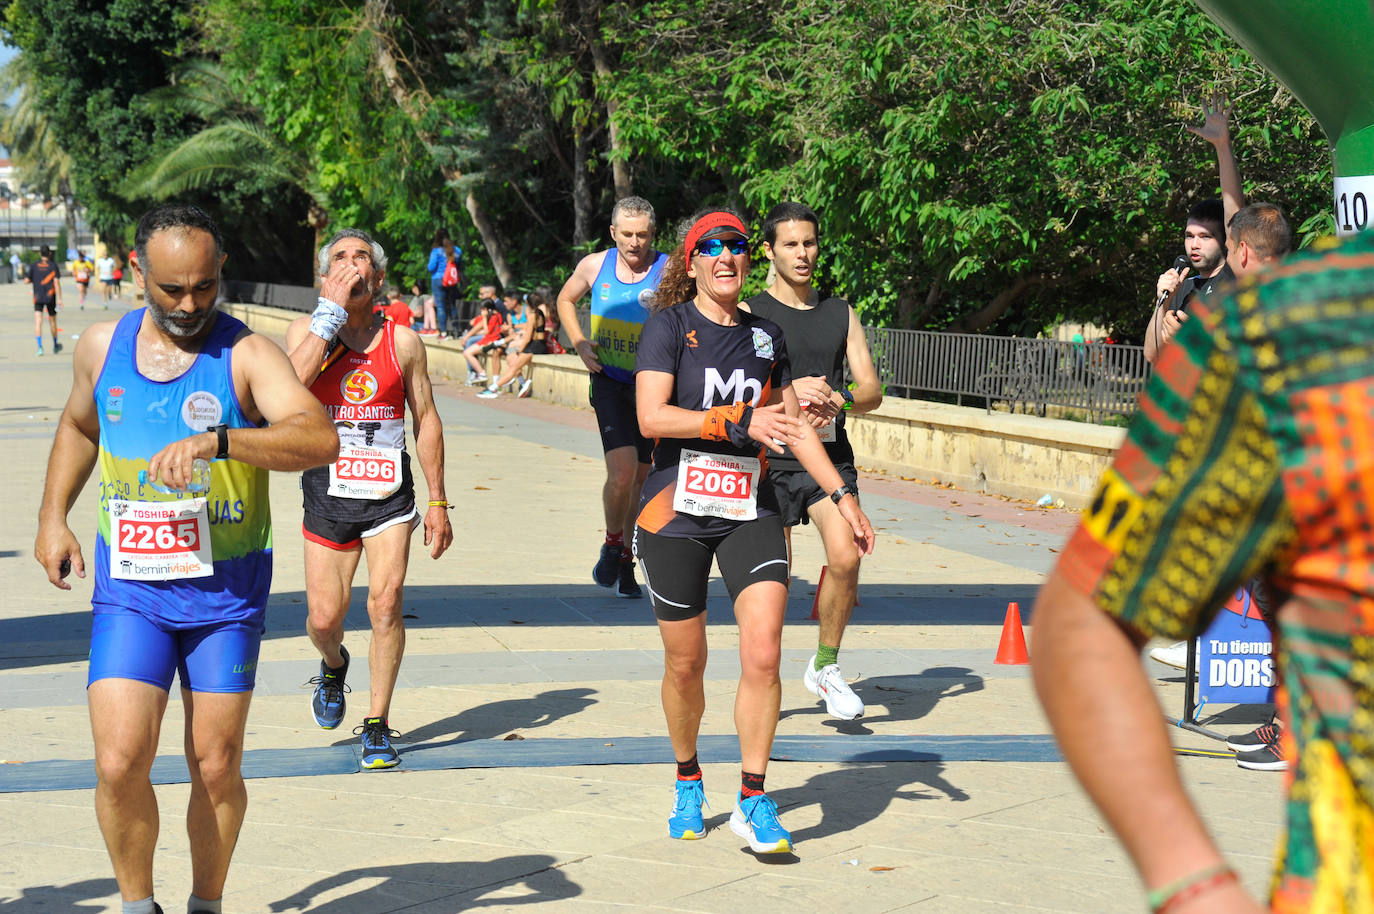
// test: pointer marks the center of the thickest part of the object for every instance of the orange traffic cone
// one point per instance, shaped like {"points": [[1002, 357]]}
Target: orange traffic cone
{"points": [[816, 603], [1012, 648]]}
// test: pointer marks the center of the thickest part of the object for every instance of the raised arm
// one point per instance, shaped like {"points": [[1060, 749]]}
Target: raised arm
{"points": [[1216, 129], [308, 338], [429, 437]]}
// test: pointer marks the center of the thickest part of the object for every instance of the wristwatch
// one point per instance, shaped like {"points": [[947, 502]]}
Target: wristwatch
{"points": [[221, 433], [847, 397], [841, 492]]}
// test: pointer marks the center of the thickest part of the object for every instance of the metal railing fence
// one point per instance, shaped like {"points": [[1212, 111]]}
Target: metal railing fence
{"points": [[1100, 379]]}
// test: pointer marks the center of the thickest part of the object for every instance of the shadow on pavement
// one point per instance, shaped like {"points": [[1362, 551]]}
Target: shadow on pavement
{"points": [[495, 718], [74, 897], [404, 885], [853, 795], [64, 636], [902, 698]]}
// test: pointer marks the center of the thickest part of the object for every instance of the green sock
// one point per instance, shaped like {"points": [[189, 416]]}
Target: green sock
{"points": [[826, 655]]}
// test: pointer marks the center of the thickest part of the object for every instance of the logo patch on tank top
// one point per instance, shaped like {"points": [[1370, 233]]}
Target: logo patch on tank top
{"points": [[646, 297], [763, 344], [605, 291], [201, 409], [114, 406], [358, 386]]}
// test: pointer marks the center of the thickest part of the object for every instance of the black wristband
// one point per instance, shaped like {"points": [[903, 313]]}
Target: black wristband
{"points": [[738, 432], [841, 492], [221, 433]]}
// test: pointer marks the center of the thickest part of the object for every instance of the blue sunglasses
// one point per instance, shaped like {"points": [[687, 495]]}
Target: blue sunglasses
{"points": [[713, 246]]}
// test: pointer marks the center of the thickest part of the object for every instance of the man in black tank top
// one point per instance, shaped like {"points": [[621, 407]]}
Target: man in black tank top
{"points": [[821, 335]]}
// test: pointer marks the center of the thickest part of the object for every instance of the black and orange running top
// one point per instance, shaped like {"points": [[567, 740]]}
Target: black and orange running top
{"points": [[706, 488]]}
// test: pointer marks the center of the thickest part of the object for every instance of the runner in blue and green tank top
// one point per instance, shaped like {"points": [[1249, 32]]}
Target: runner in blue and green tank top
{"points": [[181, 576], [621, 281]]}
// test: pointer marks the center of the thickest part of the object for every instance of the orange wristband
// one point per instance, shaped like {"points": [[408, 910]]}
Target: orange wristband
{"points": [[713, 424]]}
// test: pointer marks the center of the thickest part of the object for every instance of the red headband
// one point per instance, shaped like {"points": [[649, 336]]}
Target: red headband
{"points": [[710, 221]]}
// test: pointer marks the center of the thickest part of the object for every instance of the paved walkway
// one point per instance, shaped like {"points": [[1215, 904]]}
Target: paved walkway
{"points": [[536, 773]]}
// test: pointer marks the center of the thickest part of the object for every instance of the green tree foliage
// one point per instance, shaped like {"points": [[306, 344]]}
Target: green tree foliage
{"points": [[979, 166], [94, 70]]}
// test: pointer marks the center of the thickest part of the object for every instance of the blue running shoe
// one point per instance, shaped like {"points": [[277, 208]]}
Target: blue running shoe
{"points": [[756, 820], [377, 749], [607, 570], [328, 702], [686, 822]]}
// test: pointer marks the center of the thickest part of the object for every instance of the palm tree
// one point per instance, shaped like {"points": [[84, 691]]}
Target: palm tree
{"points": [[234, 143], [39, 158]]}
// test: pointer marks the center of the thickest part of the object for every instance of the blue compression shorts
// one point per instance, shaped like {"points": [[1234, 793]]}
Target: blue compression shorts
{"points": [[219, 657]]}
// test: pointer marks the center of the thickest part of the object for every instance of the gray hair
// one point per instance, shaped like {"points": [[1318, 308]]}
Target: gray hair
{"points": [[633, 206], [378, 255]]}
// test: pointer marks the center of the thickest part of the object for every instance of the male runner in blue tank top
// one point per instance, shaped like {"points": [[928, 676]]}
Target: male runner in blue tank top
{"points": [[821, 334], [181, 577], [621, 281]]}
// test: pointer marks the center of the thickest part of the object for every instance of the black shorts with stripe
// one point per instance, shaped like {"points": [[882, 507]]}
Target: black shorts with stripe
{"points": [[676, 568]]}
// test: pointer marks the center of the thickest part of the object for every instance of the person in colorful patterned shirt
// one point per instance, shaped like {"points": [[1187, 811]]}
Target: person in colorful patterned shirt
{"points": [[181, 577], [1250, 456]]}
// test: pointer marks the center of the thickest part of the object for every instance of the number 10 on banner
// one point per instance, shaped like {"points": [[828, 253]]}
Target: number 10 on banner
{"points": [[1353, 194]]}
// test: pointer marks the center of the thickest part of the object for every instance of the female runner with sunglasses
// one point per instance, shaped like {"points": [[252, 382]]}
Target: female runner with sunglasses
{"points": [[713, 389]]}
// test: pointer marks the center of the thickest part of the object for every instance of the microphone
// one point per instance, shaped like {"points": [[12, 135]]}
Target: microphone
{"points": [[1180, 264]]}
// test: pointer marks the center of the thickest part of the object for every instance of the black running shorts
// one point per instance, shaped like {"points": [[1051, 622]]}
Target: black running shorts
{"points": [[797, 491], [617, 416], [676, 568]]}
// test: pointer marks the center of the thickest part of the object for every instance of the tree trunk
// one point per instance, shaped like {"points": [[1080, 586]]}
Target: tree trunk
{"points": [[620, 168], [317, 217], [582, 191], [377, 13], [984, 317], [495, 250]]}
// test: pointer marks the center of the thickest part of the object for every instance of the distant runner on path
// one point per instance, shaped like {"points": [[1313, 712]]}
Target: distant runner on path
{"points": [[621, 281]]}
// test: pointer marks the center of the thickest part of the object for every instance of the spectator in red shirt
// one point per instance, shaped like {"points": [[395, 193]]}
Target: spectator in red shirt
{"points": [[489, 339]]}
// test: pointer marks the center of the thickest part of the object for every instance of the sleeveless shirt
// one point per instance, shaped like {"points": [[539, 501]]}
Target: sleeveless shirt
{"points": [[618, 313], [138, 417]]}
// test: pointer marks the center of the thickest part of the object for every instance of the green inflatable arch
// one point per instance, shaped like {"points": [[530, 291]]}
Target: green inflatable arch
{"points": [[1323, 51]]}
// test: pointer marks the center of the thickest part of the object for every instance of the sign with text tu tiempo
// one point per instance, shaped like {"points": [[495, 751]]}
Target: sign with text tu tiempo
{"points": [[1235, 655]]}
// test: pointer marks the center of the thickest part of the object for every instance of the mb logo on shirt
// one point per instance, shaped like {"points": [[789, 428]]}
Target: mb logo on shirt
{"points": [[718, 390]]}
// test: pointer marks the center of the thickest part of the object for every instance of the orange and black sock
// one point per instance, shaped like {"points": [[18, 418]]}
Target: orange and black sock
{"points": [[689, 770], [751, 784]]}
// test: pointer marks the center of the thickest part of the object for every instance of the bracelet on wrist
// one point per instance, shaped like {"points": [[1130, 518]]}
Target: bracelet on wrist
{"points": [[441, 503], [1168, 897]]}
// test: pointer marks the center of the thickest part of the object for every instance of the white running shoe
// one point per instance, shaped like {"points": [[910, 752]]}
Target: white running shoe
{"points": [[491, 393], [828, 683], [1175, 655], [525, 387]]}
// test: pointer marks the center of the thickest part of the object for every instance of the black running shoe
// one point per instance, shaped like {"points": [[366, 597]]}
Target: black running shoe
{"points": [[628, 588], [328, 702], [56, 347], [607, 570], [1260, 736], [377, 749], [1266, 758]]}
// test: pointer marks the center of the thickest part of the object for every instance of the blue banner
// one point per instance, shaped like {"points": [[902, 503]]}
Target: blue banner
{"points": [[1235, 656]]}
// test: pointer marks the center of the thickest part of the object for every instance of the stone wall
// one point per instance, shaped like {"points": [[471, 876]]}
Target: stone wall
{"points": [[999, 453]]}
